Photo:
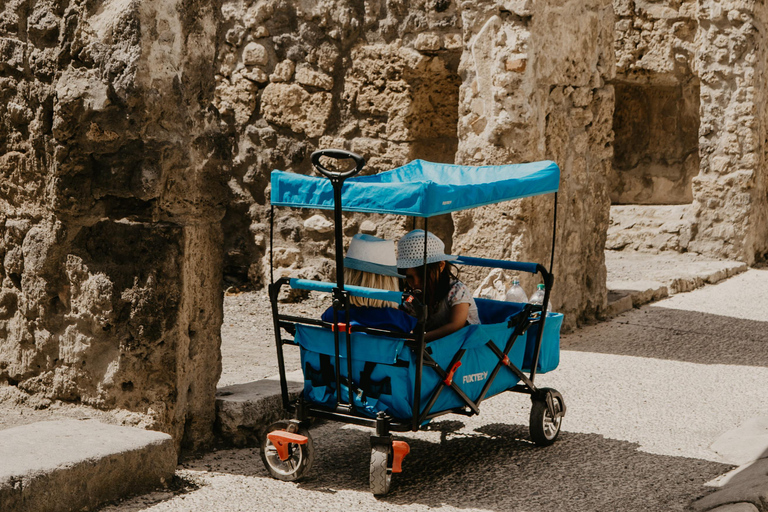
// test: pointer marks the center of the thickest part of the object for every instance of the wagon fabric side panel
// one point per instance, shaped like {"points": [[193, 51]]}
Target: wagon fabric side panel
{"points": [[494, 311], [384, 369]]}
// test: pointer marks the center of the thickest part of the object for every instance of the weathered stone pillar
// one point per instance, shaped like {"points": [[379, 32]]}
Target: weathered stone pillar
{"points": [[111, 197], [730, 214], [535, 88]]}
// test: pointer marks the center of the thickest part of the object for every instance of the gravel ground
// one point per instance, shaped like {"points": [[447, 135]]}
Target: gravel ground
{"points": [[647, 392], [248, 340]]}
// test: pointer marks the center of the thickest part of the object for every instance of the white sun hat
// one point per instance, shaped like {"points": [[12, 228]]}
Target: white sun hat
{"points": [[410, 250], [372, 254]]}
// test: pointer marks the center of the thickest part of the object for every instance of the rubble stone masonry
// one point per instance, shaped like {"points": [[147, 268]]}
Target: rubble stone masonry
{"points": [[714, 53], [112, 193], [137, 138]]}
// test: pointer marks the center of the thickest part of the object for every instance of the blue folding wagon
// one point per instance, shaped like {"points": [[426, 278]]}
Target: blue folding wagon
{"points": [[394, 381]]}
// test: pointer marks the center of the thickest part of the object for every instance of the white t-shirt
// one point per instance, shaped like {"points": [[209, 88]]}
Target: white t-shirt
{"points": [[458, 294]]}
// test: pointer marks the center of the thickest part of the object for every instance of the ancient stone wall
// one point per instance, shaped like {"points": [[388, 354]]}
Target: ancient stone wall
{"points": [[378, 78], [535, 88], [706, 52], [137, 138], [656, 119], [395, 82], [111, 198], [730, 191]]}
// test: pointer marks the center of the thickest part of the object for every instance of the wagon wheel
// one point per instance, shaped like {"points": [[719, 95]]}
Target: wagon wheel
{"points": [[381, 469], [300, 456], [545, 428]]}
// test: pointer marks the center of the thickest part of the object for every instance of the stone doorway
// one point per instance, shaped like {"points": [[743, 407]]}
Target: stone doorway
{"points": [[656, 150], [656, 157]]}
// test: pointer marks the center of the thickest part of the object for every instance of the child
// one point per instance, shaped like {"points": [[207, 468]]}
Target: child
{"points": [[370, 262], [449, 301]]}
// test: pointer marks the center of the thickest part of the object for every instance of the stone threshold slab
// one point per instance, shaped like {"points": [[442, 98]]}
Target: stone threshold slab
{"points": [[73, 465], [744, 489], [243, 411], [668, 274]]}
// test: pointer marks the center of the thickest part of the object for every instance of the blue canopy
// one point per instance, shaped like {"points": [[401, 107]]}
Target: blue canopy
{"points": [[419, 188]]}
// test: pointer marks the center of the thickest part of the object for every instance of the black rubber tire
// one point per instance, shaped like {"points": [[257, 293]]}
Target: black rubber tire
{"points": [[381, 470], [301, 456], [543, 428]]}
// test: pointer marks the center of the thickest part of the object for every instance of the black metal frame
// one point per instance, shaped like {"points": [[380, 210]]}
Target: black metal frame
{"points": [[384, 424]]}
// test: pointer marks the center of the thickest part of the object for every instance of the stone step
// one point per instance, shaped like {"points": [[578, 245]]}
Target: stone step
{"points": [[243, 411], [636, 278], [648, 227], [74, 465]]}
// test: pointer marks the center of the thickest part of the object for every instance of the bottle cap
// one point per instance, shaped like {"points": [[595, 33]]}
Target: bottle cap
{"points": [[540, 287]]}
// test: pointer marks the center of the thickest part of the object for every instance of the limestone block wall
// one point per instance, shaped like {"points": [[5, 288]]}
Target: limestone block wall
{"points": [[656, 118], [378, 78], [729, 208], [111, 167], [711, 53], [534, 87]]}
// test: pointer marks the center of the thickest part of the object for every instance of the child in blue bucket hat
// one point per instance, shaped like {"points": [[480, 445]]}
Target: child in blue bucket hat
{"points": [[370, 261]]}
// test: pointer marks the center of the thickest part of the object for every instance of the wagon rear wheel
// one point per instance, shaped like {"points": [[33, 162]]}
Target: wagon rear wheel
{"points": [[300, 456], [381, 469], [544, 427]]}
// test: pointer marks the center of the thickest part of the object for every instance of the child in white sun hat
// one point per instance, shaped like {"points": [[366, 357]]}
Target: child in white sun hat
{"points": [[370, 262], [449, 301]]}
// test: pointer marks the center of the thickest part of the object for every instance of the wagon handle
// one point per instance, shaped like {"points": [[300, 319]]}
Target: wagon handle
{"points": [[337, 154]]}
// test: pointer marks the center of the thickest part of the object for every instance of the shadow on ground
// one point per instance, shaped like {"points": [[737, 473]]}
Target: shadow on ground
{"points": [[678, 335], [497, 468]]}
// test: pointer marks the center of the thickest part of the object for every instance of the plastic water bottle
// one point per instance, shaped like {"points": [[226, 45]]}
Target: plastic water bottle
{"points": [[538, 296], [516, 293]]}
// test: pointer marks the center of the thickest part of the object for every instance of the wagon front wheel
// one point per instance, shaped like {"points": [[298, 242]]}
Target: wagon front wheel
{"points": [[545, 427], [300, 455], [381, 469]]}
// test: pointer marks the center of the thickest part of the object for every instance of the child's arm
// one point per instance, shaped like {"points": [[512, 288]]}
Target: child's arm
{"points": [[459, 313]]}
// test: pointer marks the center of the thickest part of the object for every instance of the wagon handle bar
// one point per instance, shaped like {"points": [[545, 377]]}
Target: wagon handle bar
{"points": [[337, 154]]}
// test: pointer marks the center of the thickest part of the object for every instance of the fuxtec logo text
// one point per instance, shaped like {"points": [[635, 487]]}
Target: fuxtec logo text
{"points": [[475, 377]]}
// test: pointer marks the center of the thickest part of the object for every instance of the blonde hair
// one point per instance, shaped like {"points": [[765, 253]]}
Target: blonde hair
{"points": [[356, 277]]}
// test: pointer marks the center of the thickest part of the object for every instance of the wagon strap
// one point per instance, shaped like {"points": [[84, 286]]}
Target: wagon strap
{"points": [[325, 376], [371, 388]]}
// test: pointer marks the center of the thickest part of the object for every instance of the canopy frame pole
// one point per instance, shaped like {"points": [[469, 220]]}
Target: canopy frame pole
{"points": [[554, 233], [549, 280], [271, 243], [274, 291], [420, 343]]}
